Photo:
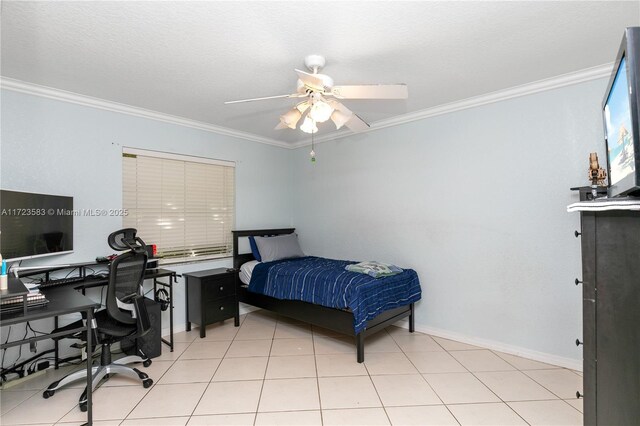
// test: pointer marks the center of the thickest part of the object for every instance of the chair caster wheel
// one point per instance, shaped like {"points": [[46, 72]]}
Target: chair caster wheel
{"points": [[48, 393], [146, 383], [83, 407], [146, 363], [143, 376]]}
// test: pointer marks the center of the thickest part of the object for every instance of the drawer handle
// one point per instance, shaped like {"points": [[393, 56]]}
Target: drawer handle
{"points": [[577, 281], [578, 394], [578, 342], [577, 234], [222, 308], [221, 288]]}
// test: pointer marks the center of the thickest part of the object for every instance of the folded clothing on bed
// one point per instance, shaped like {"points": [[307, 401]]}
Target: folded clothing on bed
{"points": [[326, 282], [374, 269]]}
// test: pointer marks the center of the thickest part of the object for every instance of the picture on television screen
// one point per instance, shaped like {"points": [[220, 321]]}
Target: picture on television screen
{"points": [[617, 112]]}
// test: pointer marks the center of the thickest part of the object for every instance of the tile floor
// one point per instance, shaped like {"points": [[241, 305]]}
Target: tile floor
{"points": [[272, 371]]}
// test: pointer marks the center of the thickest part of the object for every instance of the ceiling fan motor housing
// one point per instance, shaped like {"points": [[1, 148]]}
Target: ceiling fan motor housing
{"points": [[315, 62]]}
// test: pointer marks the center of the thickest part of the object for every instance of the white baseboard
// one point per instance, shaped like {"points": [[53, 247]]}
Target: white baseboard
{"points": [[560, 361]]}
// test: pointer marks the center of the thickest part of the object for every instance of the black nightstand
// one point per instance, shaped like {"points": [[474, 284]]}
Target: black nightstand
{"points": [[211, 297]]}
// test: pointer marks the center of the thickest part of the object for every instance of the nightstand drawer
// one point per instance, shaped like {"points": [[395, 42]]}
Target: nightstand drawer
{"points": [[220, 309], [216, 289]]}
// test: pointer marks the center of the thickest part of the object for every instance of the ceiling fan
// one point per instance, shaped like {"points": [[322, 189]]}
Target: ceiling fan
{"points": [[321, 99]]}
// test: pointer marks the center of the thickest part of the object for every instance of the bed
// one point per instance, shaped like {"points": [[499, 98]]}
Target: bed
{"points": [[339, 320]]}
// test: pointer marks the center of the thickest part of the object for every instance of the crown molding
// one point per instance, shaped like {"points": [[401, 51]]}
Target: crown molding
{"points": [[75, 98], [563, 80]]}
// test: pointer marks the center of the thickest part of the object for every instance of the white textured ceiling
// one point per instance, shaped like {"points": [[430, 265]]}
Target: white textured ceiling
{"points": [[187, 58]]}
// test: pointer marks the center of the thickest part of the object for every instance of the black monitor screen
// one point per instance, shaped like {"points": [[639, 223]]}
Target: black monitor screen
{"points": [[617, 113], [35, 224]]}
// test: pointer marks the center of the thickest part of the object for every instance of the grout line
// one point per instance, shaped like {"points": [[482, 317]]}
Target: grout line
{"points": [[264, 377], [315, 363]]}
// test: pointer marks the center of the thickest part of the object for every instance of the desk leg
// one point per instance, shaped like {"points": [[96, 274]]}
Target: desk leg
{"points": [[56, 347], [89, 358], [171, 311], [186, 300]]}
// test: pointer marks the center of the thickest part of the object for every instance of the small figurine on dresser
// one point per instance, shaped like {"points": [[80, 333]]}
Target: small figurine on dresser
{"points": [[597, 175]]}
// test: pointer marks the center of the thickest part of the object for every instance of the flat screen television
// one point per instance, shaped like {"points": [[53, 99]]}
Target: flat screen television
{"points": [[621, 122], [34, 225]]}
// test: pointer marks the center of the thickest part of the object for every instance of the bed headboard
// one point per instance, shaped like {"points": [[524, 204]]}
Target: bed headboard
{"points": [[239, 259]]}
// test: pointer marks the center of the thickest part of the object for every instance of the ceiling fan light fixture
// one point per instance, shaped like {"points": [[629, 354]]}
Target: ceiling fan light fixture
{"points": [[308, 125], [291, 118], [340, 118], [320, 111]]}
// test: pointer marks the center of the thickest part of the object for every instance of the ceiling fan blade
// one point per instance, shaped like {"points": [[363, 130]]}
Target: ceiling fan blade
{"points": [[371, 91], [357, 124], [310, 80], [294, 95]]}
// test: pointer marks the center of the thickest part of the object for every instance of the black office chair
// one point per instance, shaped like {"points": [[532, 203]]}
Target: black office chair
{"points": [[125, 315]]}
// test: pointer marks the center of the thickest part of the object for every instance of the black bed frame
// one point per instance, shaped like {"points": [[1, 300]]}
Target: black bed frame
{"points": [[337, 320]]}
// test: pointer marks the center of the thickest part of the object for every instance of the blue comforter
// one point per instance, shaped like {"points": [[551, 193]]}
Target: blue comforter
{"points": [[325, 282]]}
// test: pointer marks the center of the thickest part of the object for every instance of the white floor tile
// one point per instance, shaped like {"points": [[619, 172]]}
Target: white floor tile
{"points": [[401, 390], [251, 368], [190, 371], [481, 360], [524, 363], [230, 397], [380, 342], [38, 410], [292, 418], [334, 345], [223, 420], [432, 415], [167, 355], [155, 371], [109, 403], [289, 395], [162, 421], [355, 417], [291, 367], [11, 399], [292, 331], [388, 363], [206, 350], [561, 382], [498, 414], [547, 413], [417, 343], [452, 345], [575, 403], [348, 392], [169, 401], [247, 348], [435, 362], [288, 347], [514, 386], [460, 388], [256, 331], [339, 365]]}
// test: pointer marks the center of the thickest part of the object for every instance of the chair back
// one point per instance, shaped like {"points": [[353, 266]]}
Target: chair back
{"points": [[126, 274]]}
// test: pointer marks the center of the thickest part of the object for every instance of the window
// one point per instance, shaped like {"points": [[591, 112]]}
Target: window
{"points": [[184, 205]]}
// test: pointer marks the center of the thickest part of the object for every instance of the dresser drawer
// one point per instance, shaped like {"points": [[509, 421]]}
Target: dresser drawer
{"points": [[220, 309], [218, 288]]}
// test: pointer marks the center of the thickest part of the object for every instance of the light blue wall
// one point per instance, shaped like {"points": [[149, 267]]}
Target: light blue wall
{"points": [[475, 201], [55, 147]]}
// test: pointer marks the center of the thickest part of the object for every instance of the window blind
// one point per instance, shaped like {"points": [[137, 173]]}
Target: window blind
{"points": [[185, 205]]}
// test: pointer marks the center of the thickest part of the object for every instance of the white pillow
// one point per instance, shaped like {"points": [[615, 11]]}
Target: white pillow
{"points": [[279, 247], [246, 270]]}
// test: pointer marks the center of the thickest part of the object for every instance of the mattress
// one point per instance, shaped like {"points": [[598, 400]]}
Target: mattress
{"points": [[246, 270]]}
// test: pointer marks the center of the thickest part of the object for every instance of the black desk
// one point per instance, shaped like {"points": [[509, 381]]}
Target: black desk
{"points": [[93, 282], [62, 301]]}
